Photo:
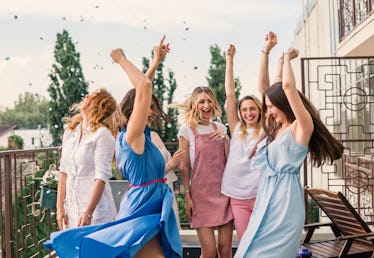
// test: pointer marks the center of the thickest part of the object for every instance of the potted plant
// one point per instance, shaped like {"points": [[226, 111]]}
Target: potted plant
{"points": [[48, 196]]}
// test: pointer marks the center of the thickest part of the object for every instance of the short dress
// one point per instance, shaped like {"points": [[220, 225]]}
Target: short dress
{"points": [[277, 221], [84, 162], [145, 212], [211, 206]]}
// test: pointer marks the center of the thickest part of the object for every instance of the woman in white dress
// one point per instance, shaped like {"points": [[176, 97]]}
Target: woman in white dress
{"points": [[84, 195]]}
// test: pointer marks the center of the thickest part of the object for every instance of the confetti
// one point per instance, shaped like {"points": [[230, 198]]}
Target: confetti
{"points": [[187, 28], [195, 67], [7, 58], [15, 17], [41, 38]]}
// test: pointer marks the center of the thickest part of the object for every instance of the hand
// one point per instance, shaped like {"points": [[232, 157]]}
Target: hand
{"points": [[271, 41], [160, 51], [189, 207], [292, 53], [177, 158], [117, 54], [230, 52], [217, 135], [62, 218], [85, 219]]}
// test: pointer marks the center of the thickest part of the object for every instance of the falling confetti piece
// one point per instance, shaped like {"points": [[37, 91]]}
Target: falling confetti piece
{"points": [[7, 58], [195, 67], [41, 38], [187, 29], [184, 22], [96, 6], [50, 109], [15, 17], [30, 84], [64, 18], [169, 125], [56, 126], [145, 27]]}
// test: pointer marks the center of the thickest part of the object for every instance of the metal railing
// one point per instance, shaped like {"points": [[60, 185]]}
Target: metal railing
{"points": [[352, 13]]}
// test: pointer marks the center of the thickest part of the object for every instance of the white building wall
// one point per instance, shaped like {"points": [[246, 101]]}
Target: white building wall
{"points": [[35, 138]]}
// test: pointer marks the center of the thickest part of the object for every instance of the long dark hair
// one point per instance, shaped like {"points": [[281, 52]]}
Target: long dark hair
{"points": [[323, 147], [126, 107]]}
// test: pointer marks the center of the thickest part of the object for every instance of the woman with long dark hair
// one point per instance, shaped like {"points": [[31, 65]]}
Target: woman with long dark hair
{"points": [[292, 129]]}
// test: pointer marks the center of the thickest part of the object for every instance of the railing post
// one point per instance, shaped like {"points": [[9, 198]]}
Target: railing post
{"points": [[8, 205]]}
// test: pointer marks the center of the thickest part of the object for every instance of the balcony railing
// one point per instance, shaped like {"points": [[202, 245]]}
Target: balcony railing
{"points": [[25, 225], [352, 13]]}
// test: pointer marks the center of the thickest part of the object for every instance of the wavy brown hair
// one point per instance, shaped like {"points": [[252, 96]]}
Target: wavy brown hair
{"points": [[101, 109], [323, 146], [126, 107]]}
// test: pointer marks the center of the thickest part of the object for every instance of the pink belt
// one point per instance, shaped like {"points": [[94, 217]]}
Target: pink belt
{"points": [[161, 180]]}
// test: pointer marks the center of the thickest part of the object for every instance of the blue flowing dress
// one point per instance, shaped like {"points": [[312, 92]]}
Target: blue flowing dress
{"points": [[145, 212], [278, 218]]}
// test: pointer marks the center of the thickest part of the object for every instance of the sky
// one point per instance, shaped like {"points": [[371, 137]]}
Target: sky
{"points": [[28, 30]]}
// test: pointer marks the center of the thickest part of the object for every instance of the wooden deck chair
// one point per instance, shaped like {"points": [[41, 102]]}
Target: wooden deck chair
{"points": [[352, 234]]}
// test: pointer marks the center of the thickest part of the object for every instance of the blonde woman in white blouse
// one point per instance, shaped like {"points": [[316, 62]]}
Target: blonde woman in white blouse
{"points": [[84, 195]]}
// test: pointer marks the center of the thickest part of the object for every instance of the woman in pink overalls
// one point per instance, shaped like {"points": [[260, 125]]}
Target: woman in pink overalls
{"points": [[202, 168]]}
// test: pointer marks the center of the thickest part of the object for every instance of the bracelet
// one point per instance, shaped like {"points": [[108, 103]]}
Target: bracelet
{"points": [[88, 215], [187, 192], [169, 163], [266, 53]]}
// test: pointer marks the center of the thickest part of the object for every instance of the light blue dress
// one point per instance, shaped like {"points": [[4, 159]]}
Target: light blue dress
{"points": [[145, 212], [278, 218]]}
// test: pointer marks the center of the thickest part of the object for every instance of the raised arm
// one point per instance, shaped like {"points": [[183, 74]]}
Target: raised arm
{"points": [[159, 54], [303, 126], [232, 113], [263, 76], [138, 119], [279, 71]]}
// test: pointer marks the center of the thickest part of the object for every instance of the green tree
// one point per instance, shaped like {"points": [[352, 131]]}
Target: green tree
{"points": [[15, 142], [30, 111], [216, 78], [67, 84], [164, 90]]}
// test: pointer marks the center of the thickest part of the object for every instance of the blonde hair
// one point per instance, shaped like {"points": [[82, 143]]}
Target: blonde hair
{"points": [[243, 126], [189, 108], [101, 108]]}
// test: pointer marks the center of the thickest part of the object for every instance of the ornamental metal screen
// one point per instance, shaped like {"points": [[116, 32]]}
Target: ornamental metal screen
{"points": [[342, 89]]}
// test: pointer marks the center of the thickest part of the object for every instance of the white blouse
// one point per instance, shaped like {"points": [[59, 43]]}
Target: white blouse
{"points": [[84, 162]]}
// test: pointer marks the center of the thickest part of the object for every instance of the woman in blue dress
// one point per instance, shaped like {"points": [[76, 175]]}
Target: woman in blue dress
{"points": [[293, 128], [145, 225]]}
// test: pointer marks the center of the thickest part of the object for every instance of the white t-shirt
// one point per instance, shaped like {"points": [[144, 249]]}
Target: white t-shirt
{"points": [[186, 132], [240, 179]]}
